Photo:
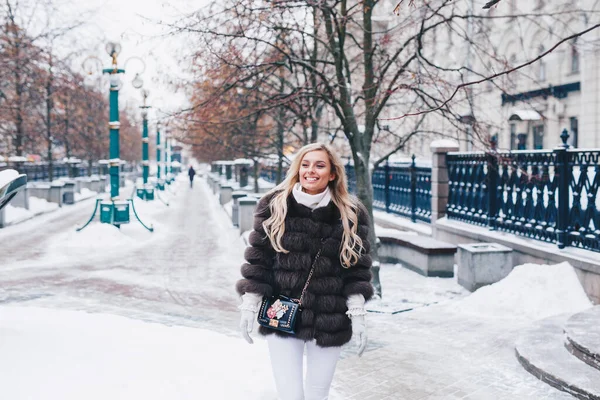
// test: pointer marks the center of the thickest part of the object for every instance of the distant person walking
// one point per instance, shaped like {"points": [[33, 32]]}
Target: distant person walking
{"points": [[191, 173]]}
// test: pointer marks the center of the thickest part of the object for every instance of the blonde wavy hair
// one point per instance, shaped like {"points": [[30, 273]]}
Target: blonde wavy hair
{"points": [[352, 245]]}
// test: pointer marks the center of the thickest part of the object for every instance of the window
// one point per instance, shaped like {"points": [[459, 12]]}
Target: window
{"points": [[574, 125], [538, 137], [522, 141], [542, 65], [574, 57], [514, 145]]}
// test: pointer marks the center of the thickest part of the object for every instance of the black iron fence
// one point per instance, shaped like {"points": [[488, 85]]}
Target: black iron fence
{"points": [[269, 173], [40, 171], [550, 196], [402, 189], [399, 188]]}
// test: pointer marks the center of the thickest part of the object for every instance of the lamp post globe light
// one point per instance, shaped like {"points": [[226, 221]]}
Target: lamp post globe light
{"points": [[115, 211]]}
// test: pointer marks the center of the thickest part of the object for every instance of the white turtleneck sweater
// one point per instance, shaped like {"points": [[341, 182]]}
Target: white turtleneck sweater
{"points": [[311, 201]]}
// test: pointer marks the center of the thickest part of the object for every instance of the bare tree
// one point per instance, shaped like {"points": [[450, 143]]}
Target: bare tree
{"points": [[372, 67]]}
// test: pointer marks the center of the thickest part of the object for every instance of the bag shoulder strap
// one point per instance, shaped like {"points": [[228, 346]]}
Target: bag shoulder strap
{"points": [[312, 269]]}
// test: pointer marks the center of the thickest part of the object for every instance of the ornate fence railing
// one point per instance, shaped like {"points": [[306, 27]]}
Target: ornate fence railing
{"points": [[40, 171], [401, 188], [269, 173], [550, 196]]}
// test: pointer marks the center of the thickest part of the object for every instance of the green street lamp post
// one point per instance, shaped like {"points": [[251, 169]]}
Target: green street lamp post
{"points": [[159, 183], [167, 158], [146, 192], [145, 139], [114, 162], [115, 211]]}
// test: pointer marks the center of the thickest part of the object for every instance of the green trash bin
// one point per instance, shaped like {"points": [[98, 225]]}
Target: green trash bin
{"points": [[141, 193], [106, 212], [121, 212]]}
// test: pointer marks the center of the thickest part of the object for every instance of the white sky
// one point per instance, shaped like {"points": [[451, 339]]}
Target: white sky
{"points": [[135, 24]]}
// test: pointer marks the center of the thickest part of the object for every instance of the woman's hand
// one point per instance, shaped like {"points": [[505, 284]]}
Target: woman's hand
{"points": [[359, 330], [249, 308], [356, 312]]}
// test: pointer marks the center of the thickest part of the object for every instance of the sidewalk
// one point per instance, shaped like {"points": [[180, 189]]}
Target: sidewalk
{"points": [[183, 276], [436, 350]]}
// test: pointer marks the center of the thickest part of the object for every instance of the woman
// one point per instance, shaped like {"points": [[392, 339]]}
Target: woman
{"points": [[309, 212]]}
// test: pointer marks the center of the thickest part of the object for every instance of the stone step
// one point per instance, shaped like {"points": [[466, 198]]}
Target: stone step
{"points": [[583, 336], [541, 351]]}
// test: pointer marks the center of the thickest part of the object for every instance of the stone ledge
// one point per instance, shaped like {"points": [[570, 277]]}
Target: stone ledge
{"points": [[579, 258], [423, 255], [586, 263], [541, 351], [392, 221], [583, 336], [421, 244]]}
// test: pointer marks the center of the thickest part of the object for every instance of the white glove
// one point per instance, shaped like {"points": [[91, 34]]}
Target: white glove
{"points": [[356, 312], [359, 330], [249, 308]]}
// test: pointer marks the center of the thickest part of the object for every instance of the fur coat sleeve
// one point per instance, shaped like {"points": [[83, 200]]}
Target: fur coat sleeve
{"points": [[257, 271], [357, 279]]}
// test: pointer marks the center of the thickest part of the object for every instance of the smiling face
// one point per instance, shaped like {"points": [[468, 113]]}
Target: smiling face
{"points": [[315, 172]]}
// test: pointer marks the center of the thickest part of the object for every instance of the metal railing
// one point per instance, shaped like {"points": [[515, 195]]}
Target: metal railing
{"points": [[269, 173], [544, 195], [40, 171], [401, 188]]}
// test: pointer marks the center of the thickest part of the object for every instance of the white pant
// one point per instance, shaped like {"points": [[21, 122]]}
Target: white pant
{"points": [[287, 363]]}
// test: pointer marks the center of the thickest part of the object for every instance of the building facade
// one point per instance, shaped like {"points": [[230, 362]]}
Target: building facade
{"points": [[528, 108]]}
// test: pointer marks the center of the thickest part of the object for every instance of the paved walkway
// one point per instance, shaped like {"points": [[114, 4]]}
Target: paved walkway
{"points": [[187, 278]]}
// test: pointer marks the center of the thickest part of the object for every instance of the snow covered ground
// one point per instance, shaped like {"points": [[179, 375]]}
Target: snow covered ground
{"points": [[37, 206], [110, 313], [73, 355]]}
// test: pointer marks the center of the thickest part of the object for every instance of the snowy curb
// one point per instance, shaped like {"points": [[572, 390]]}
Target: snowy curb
{"points": [[391, 221]]}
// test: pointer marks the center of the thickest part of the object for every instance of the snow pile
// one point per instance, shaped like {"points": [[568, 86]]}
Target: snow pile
{"points": [[530, 291], [85, 193], [73, 355], [404, 290], [97, 240], [39, 206], [393, 233], [16, 214], [6, 176]]}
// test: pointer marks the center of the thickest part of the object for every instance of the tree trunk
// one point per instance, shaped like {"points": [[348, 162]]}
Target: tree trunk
{"points": [[365, 195], [255, 173], [314, 123], [18, 141], [49, 107], [280, 142]]}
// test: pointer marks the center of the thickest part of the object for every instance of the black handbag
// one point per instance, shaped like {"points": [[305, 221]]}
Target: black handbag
{"points": [[281, 312]]}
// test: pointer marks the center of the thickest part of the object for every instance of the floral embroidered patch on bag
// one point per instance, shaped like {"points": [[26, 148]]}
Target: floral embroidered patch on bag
{"points": [[277, 310]]}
